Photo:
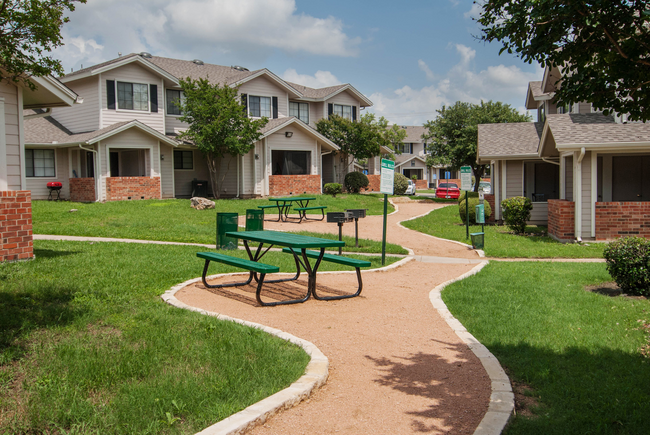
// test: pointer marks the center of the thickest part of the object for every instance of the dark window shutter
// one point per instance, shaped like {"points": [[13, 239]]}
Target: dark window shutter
{"points": [[275, 107], [110, 94], [153, 96], [244, 102], [354, 113], [330, 110]]}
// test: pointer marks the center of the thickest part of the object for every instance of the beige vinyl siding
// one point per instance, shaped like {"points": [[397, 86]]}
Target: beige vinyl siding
{"points": [[568, 191], [300, 141], [167, 171], [514, 178], [584, 107], [316, 113], [228, 168], [586, 195], [83, 117], [38, 185], [344, 99], [263, 87], [12, 136], [418, 148], [539, 214], [174, 125], [183, 177], [133, 73]]}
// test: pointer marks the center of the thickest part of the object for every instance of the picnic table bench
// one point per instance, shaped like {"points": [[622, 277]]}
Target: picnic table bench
{"points": [[252, 266], [284, 205], [302, 212]]}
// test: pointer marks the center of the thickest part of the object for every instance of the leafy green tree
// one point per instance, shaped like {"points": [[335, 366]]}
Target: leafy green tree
{"points": [[360, 139], [602, 47], [218, 125], [29, 29], [453, 135]]}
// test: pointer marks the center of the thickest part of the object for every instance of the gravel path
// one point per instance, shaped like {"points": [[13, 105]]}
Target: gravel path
{"points": [[396, 367]]}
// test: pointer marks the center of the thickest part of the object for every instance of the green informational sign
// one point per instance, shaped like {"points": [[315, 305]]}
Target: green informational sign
{"points": [[480, 214], [466, 178], [387, 176]]}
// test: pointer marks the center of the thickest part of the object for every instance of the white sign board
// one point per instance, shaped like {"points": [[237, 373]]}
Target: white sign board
{"points": [[387, 176], [466, 178]]}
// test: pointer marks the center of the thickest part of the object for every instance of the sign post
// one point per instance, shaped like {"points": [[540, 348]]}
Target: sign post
{"points": [[466, 185], [386, 187]]}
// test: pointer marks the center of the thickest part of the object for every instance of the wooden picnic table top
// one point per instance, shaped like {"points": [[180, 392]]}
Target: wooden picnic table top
{"points": [[288, 240]]}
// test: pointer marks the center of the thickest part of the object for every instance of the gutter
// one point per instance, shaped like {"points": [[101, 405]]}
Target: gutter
{"points": [[551, 161], [47, 112]]}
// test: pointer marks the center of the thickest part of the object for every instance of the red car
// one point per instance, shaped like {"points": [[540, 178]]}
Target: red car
{"points": [[448, 190]]}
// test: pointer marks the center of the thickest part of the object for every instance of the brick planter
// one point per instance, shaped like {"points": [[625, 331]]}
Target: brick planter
{"points": [[82, 189], [16, 225], [622, 219], [421, 184], [282, 185], [561, 219], [125, 188], [374, 183]]}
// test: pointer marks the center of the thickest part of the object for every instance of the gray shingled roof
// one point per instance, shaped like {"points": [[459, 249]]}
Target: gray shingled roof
{"points": [[100, 65], [48, 130], [414, 133], [273, 123], [308, 92], [536, 88], [518, 138], [186, 68], [595, 128]]}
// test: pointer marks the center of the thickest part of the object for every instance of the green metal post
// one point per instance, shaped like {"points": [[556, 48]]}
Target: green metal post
{"points": [[383, 240], [467, 214]]}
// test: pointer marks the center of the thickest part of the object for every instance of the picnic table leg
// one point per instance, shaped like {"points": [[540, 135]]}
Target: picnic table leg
{"points": [[311, 271], [236, 284], [258, 256]]}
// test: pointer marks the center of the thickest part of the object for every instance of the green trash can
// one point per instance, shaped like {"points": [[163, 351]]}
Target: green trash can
{"points": [[478, 240], [226, 222], [254, 219]]}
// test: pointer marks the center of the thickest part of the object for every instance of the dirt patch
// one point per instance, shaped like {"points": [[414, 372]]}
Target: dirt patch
{"points": [[611, 289], [525, 400]]}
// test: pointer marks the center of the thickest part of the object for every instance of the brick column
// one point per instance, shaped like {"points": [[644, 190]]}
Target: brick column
{"points": [[82, 189], [374, 182], [16, 225], [561, 219]]}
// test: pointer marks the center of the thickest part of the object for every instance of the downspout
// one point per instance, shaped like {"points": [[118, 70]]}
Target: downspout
{"points": [[578, 198], [96, 170]]}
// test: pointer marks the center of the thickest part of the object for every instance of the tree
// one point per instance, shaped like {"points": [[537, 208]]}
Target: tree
{"points": [[362, 139], [28, 30], [453, 135], [218, 125], [602, 47]]}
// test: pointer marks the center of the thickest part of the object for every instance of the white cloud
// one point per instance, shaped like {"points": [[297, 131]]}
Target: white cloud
{"points": [[474, 12], [321, 79], [409, 106], [192, 28], [424, 67]]}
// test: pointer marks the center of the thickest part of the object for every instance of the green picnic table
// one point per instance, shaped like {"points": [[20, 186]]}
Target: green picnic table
{"points": [[284, 204]]}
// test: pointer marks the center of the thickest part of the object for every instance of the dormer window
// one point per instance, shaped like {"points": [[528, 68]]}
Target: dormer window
{"points": [[406, 148], [259, 106], [132, 96], [343, 111], [300, 111]]}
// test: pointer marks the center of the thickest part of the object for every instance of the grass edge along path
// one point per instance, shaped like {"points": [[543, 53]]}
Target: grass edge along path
{"points": [[574, 356], [87, 345], [445, 223]]}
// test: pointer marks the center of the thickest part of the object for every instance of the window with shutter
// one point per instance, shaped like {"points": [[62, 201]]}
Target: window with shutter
{"points": [[110, 94]]}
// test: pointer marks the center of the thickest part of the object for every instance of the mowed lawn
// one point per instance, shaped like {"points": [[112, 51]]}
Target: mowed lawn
{"points": [[499, 240], [575, 356], [88, 346]]}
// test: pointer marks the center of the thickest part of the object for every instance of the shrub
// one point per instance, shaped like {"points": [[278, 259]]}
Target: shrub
{"points": [[355, 181], [414, 177], [473, 202], [628, 262], [516, 211], [332, 189], [400, 184], [461, 198]]}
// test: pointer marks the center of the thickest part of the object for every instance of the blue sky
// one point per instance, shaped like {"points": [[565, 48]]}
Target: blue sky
{"points": [[408, 57]]}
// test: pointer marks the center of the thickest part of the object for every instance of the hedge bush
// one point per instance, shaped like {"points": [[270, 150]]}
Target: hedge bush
{"points": [[461, 198], [628, 262], [473, 202], [400, 184], [332, 189], [516, 211], [355, 181]]}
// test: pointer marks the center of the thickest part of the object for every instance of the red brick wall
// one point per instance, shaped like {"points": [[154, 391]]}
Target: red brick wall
{"points": [[490, 200], [281, 185], [82, 189], [16, 225], [561, 221], [421, 184], [374, 182], [124, 188], [622, 219]]}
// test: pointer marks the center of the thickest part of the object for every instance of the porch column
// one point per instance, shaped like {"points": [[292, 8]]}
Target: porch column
{"points": [[497, 190], [562, 177], [3, 147], [594, 191], [577, 191]]}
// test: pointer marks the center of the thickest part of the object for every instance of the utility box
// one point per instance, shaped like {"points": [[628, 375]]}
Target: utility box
{"points": [[480, 214], [478, 240]]}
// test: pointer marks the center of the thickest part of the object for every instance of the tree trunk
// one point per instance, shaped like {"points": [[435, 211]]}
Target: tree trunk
{"points": [[479, 171], [216, 177]]}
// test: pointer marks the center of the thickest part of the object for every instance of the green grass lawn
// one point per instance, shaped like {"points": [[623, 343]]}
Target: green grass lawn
{"points": [[87, 345], [575, 354], [499, 241], [167, 220]]}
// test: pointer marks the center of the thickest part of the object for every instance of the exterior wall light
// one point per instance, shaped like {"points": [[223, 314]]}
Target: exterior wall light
{"points": [[288, 133]]}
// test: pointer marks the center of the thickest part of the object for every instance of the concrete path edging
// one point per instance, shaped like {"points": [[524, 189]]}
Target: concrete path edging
{"points": [[502, 400]]}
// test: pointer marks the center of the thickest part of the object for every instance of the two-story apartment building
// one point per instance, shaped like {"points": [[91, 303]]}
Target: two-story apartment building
{"points": [[15, 198], [122, 142], [588, 175]]}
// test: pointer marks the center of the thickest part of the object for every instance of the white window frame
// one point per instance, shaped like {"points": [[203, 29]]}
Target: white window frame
{"points": [[248, 106], [182, 102], [334, 112], [45, 176], [117, 97], [299, 103], [183, 151]]}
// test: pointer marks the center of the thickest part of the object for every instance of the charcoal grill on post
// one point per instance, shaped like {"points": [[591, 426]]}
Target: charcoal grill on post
{"points": [[357, 213], [340, 217], [54, 186]]}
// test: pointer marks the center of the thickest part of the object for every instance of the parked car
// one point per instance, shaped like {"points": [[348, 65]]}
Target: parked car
{"points": [[485, 186], [448, 190], [410, 190]]}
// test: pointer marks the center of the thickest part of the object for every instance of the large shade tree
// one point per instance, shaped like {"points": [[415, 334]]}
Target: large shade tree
{"points": [[218, 125], [602, 47], [360, 139], [453, 136], [29, 30]]}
